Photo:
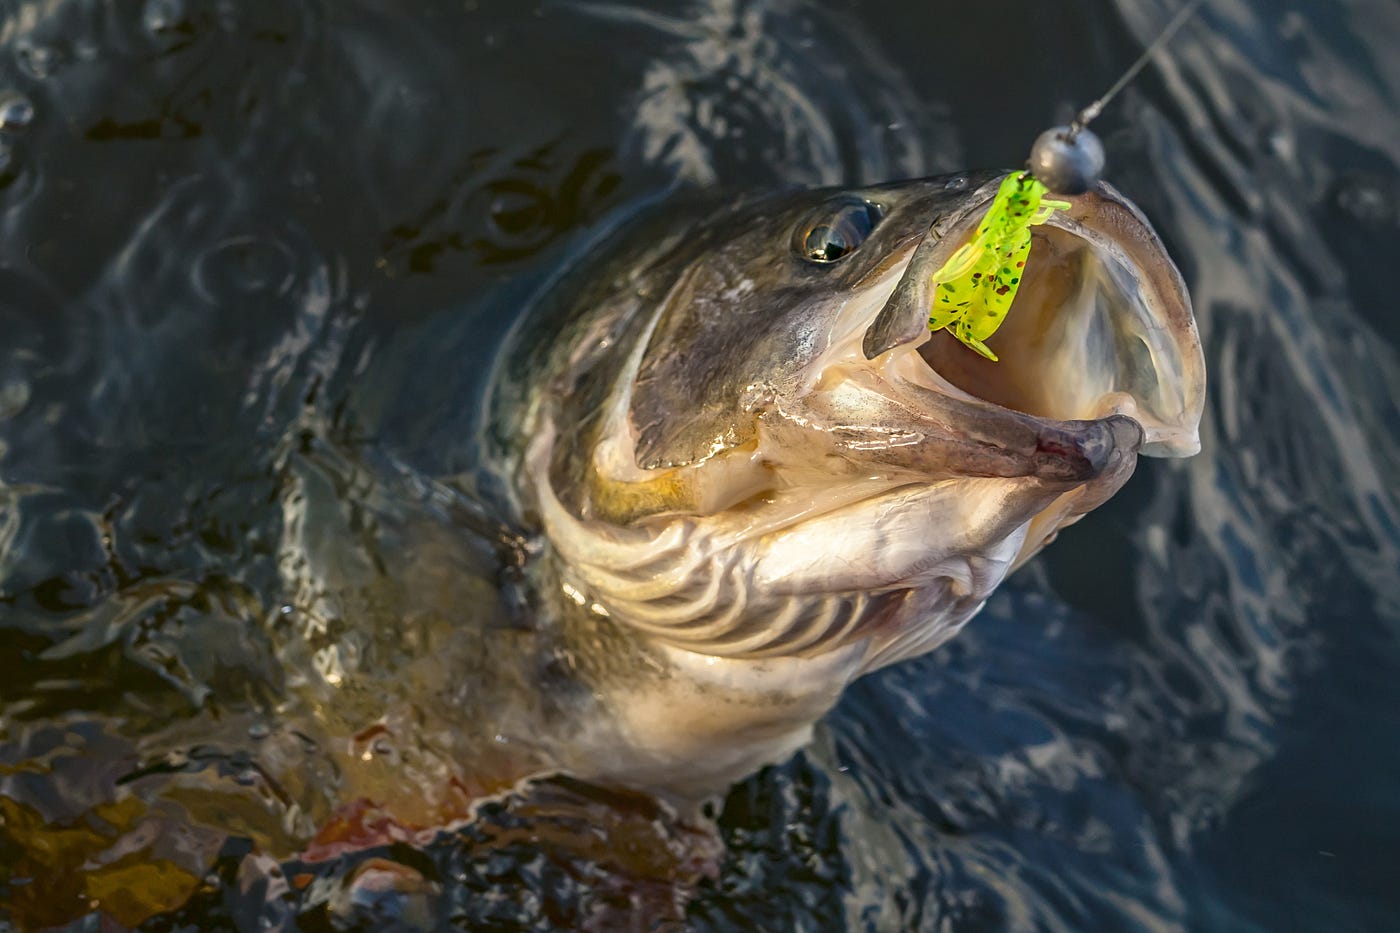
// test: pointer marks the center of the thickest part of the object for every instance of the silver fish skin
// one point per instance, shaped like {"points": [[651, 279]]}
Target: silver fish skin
{"points": [[757, 475]]}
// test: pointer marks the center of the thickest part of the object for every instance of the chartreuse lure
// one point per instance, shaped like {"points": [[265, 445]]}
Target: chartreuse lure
{"points": [[977, 284]]}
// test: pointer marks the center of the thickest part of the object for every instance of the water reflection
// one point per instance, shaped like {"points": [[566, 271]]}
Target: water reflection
{"points": [[504, 210], [237, 242], [730, 87]]}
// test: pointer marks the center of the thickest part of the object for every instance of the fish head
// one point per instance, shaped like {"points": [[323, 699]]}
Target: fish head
{"points": [[789, 463]]}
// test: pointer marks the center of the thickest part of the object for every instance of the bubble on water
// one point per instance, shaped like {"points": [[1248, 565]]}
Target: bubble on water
{"points": [[259, 730], [36, 61], [1279, 141], [163, 16], [1366, 199], [243, 266], [86, 50], [14, 396], [16, 111]]}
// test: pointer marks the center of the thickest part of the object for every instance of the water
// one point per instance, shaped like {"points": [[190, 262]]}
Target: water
{"points": [[221, 222]]}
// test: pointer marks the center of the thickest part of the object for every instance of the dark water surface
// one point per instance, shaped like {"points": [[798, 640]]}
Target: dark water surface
{"points": [[221, 220]]}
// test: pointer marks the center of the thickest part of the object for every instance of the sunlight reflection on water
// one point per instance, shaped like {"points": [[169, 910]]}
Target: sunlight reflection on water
{"points": [[223, 225]]}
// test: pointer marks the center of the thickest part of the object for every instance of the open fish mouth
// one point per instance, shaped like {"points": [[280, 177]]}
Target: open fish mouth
{"points": [[1099, 352], [791, 462], [1099, 361]]}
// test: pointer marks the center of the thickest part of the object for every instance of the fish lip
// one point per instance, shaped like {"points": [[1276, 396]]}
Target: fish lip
{"points": [[1076, 448], [1080, 451]]}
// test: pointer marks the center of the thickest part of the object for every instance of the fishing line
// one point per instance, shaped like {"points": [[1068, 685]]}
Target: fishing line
{"points": [[1082, 119], [1070, 159], [974, 289]]}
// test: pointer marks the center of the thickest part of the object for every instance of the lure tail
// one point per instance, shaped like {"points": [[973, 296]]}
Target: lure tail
{"points": [[975, 287]]}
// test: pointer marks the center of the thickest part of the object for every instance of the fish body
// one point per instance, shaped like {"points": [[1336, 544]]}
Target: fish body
{"points": [[725, 469]]}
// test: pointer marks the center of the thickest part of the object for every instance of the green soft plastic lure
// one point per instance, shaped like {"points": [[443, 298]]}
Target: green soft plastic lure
{"points": [[977, 284]]}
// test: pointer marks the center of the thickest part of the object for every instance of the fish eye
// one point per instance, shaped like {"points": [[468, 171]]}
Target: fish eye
{"points": [[836, 230]]}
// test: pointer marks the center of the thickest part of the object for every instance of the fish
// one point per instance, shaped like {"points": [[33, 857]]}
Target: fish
{"points": [[723, 470], [750, 459]]}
